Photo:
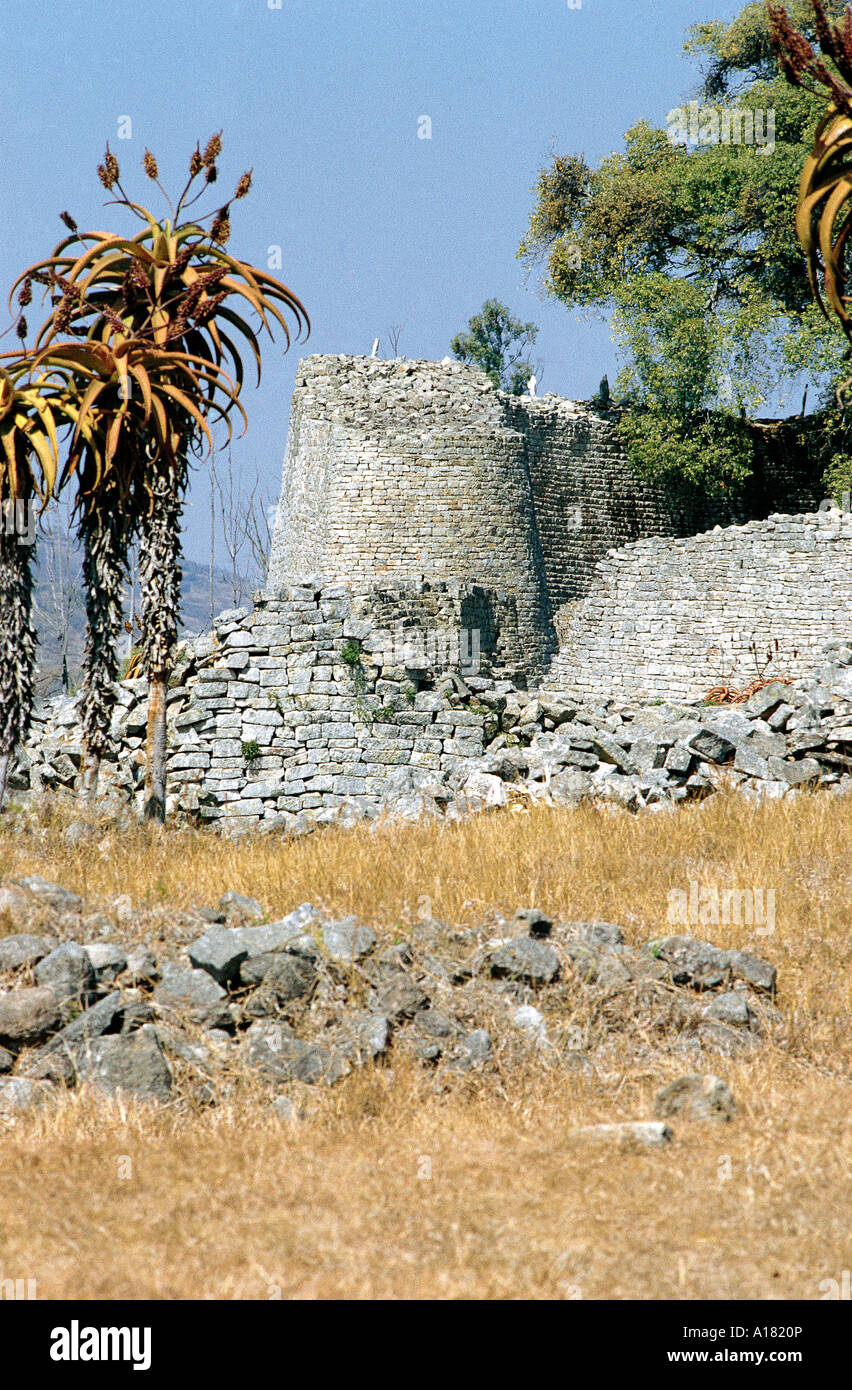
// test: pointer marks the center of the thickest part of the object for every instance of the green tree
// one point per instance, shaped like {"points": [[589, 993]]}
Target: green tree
{"points": [[496, 342], [687, 239]]}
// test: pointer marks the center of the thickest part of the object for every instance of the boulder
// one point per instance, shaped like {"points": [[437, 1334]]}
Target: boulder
{"points": [[795, 774], [16, 905], [68, 971], [239, 909], [51, 895], [131, 1064], [599, 935], [693, 962], [472, 1051], [537, 923], [401, 998], [482, 791], [348, 940], [195, 993], [80, 832], [754, 970], [730, 1008], [23, 949], [142, 965], [222, 950], [27, 1016], [528, 1020], [107, 1016], [19, 1094], [634, 1134], [436, 1024], [712, 747], [285, 975], [696, 1098], [526, 960], [108, 961], [362, 1037], [277, 1053]]}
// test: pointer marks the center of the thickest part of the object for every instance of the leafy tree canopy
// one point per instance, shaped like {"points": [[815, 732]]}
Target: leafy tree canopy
{"points": [[687, 237], [496, 342]]}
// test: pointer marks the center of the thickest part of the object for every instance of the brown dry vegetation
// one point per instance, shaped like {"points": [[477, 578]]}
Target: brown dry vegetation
{"points": [[389, 1189]]}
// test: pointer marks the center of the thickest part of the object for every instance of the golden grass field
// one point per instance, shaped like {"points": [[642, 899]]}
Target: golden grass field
{"points": [[388, 1189]]}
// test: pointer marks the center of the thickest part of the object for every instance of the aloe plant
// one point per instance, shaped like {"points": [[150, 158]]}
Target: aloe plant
{"points": [[154, 334], [118, 437], [32, 409], [824, 206]]}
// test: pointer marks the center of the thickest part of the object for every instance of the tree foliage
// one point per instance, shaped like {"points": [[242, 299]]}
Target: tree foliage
{"points": [[34, 409], [496, 343], [687, 238]]}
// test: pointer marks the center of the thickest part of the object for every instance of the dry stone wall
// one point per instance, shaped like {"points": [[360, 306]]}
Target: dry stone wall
{"points": [[307, 704], [450, 528], [673, 618], [588, 499], [411, 470], [328, 691]]}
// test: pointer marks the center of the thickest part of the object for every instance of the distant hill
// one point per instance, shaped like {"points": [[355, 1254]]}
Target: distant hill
{"points": [[195, 611]]}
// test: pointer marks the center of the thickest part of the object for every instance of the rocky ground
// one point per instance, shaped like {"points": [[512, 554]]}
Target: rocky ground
{"points": [[657, 1119], [307, 1000], [786, 736]]}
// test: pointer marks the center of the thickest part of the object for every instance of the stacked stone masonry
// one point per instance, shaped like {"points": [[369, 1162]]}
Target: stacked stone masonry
{"points": [[673, 618], [312, 699], [412, 470], [447, 524]]}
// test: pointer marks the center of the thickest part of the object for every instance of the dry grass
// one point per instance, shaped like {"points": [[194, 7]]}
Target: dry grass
{"points": [[232, 1203]]}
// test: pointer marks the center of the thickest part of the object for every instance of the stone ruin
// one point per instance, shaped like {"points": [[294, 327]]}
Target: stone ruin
{"points": [[435, 539]]}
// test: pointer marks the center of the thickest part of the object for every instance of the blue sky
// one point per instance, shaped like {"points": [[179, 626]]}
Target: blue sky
{"points": [[324, 98]]}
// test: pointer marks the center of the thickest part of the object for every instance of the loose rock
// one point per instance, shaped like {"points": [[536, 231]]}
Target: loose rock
{"points": [[193, 992], [23, 949], [348, 940], [18, 1094], [133, 1064], [49, 894], [68, 971], [526, 960], [27, 1016], [696, 1098], [648, 1134]]}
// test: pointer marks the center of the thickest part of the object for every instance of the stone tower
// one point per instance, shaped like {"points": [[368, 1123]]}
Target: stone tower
{"points": [[402, 471], [412, 470]]}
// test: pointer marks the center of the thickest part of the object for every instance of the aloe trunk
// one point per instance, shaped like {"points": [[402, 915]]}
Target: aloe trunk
{"points": [[17, 649], [155, 749], [160, 580], [103, 531]]}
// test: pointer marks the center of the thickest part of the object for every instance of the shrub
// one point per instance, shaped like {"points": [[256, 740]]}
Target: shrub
{"points": [[351, 652]]}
